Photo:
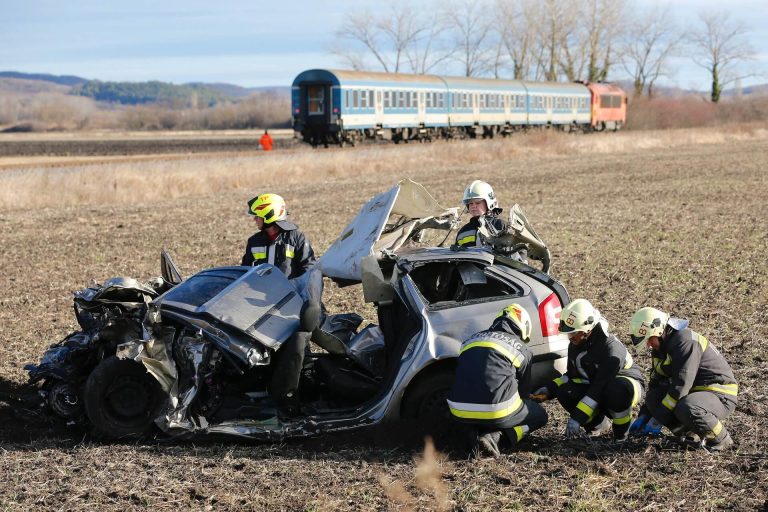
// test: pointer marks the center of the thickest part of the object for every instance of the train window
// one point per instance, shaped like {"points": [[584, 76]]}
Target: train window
{"points": [[414, 99], [316, 99], [346, 99], [483, 100], [429, 99], [371, 103], [400, 99], [363, 99]]}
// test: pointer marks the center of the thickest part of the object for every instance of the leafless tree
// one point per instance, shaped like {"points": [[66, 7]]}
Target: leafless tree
{"points": [[604, 26], [386, 38], [469, 30], [516, 35], [429, 49], [649, 43], [719, 45], [554, 24]]}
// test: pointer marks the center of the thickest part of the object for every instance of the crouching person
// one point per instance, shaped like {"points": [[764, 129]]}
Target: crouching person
{"points": [[493, 373], [601, 383], [692, 387]]}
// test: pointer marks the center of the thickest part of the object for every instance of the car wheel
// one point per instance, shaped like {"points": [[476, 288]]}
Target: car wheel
{"points": [[121, 399], [427, 400]]}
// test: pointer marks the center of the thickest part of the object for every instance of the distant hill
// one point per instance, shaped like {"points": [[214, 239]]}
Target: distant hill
{"points": [[68, 80], [23, 86], [139, 93]]}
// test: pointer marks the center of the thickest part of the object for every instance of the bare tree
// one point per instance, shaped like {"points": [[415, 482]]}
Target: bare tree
{"points": [[429, 49], [554, 24], [604, 25], [650, 42], [719, 45], [517, 34], [387, 38], [471, 36]]}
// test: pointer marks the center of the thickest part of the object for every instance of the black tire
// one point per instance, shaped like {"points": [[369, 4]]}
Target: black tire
{"points": [[121, 399], [426, 401]]}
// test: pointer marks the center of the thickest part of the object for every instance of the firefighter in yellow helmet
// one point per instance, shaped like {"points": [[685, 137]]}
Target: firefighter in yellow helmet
{"points": [[692, 388], [601, 380], [492, 383], [278, 241], [483, 207]]}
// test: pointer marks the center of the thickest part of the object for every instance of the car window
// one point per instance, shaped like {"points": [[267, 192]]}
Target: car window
{"points": [[453, 284]]}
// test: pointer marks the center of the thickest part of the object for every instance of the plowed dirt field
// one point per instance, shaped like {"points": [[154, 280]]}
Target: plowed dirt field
{"points": [[684, 228]]}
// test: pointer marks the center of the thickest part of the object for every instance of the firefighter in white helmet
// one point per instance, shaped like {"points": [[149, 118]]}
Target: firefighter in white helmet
{"points": [[481, 203], [492, 383], [692, 388], [601, 380]]}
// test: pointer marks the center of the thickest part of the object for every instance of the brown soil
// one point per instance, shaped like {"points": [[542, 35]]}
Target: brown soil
{"points": [[684, 229]]}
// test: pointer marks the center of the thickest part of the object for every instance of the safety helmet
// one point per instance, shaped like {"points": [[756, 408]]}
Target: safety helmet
{"points": [[579, 316], [647, 322], [481, 190], [270, 207], [519, 319]]}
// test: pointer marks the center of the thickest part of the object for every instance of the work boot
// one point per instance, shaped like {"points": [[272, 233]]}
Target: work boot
{"points": [[725, 444], [602, 428], [489, 443]]}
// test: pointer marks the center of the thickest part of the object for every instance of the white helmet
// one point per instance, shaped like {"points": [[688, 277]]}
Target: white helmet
{"points": [[647, 322], [481, 190], [579, 316]]}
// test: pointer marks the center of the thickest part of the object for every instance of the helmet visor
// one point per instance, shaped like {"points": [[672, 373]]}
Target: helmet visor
{"points": [[637, 340]]}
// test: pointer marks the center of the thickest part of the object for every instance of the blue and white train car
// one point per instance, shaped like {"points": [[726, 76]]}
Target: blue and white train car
{"points": [[338, 107], [563, 104], [333, 106]]}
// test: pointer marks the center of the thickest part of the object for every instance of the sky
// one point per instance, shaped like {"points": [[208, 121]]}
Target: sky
{"points": [[251, 43]]}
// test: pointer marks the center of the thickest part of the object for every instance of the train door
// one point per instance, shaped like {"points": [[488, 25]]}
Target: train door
{"points": [[317, 97], [379, 107]]}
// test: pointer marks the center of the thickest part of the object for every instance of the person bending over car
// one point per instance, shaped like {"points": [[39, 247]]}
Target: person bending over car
{"points": [[601, 380], [692, 388], [281, 243], [492, 376], [482, 205]]}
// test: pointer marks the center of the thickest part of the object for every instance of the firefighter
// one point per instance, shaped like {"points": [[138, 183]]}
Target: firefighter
{"points": [[281, 243], [601, 380], [278, 241], [492, 376], [482, 205], [692, 388]]}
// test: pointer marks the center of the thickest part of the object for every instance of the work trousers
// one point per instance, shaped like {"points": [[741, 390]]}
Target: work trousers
{"points": [[530, 417], [700, 412], [615, 401]]}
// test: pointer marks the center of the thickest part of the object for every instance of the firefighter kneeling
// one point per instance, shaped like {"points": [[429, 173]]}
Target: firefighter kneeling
{"points": [[692, 388], [493, 373]]}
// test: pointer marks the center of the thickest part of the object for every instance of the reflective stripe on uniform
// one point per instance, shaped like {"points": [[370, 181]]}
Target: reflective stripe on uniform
{"points": [[726, 389], [486, 411], [715, 430], [587, 406], [520, 431], [579, 380], [498, 347], [628, 362], [289, 251], [669, 402], [624, 417], [271, 254], [466, 240], [703, 342], [658, 365], [259, 253], [561, 380]]}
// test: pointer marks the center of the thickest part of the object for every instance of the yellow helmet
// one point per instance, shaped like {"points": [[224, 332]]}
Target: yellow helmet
{"points": [[519, 318], [578, 316], [647, 322], [270, 207], [481, 190]]}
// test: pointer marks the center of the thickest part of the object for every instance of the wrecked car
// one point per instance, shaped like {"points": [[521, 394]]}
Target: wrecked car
{"points": [[185, 357]]}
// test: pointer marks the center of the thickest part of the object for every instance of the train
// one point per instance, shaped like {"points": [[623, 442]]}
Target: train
{"points": [[346, 107]]}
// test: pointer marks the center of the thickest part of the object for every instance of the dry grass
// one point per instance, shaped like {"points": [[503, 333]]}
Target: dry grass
{"points": [[145, 182], [675, 219]]}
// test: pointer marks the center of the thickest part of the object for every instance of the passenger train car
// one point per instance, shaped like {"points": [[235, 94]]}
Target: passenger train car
{"points": [[338, 107]]}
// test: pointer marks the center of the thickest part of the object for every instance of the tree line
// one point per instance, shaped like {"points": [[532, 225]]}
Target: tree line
{"points": [[554, 40], [139, 93]]}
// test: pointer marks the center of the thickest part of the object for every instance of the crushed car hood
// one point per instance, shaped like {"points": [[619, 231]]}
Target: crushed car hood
{"points": [[384, 224]]}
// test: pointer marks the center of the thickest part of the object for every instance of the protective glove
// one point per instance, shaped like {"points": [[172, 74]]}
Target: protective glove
{"points": [[572, 428], [652, 428], [540, 395], [638, 424]]}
